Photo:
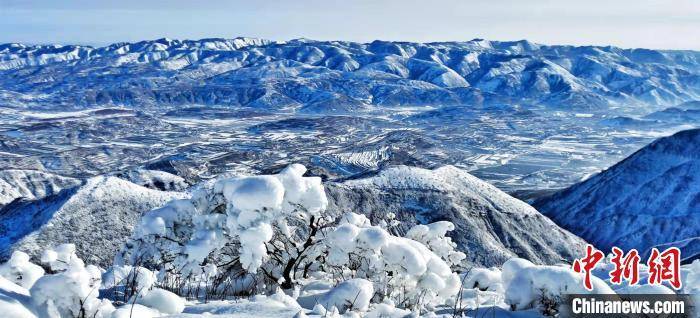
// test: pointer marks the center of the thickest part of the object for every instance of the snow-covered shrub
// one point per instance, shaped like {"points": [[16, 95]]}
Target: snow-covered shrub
{"points": [[119, 274], [241, 227], [71, 289], [401, 269], [126, 282], [161, 300], [70, 293], [59, 258], [485, 279], [531, 286], [20, 270], [352, 294], [434, 236], [135, 284]]}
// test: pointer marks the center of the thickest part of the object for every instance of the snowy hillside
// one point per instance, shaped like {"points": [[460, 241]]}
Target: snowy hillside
{"points": [[651, 198], [336, 76], [31, 185], [490, 226], [96, 216]]}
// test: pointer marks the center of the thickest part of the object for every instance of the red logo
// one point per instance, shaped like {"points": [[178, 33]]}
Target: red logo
{"points": [[587, 264], [663, 266], [626, 267]]}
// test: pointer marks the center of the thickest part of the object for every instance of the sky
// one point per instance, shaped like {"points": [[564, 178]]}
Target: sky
{"points": [[672, 24]]}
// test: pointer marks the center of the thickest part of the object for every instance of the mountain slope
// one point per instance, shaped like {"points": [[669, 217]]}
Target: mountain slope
{"points": [[490, 226], [31, 184], [650, 198], [97, 216], [332, 76]]}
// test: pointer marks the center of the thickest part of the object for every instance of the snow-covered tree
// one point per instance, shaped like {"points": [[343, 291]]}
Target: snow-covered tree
{"points": [[404, 270], [249, 233], [242, 226]]}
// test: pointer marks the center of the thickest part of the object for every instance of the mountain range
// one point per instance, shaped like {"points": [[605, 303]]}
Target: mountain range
{"points": [[335, 76]]}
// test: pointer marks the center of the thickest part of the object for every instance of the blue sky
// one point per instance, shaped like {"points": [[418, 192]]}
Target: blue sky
{"points": [[672, 24]]}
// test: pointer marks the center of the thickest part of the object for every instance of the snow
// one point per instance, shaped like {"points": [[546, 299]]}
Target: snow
{"points": [[353, 294], [525, 283], [484, 279], [434, 235], [162, 300], [253, 245], [423, 73], [137, 310], [157, 180], [31, 185], [255, 208], [14, 300], [254, 193], [20, 271], [254, 307], [645, 289], [403, 253], [60, 257], [417, 269], [386, 310], [69, 292], [71, 289]]}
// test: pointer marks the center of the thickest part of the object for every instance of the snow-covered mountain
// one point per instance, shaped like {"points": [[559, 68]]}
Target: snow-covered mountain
{"points": [[96, 216], [651, 198], [490, 226], [336, 76]]}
